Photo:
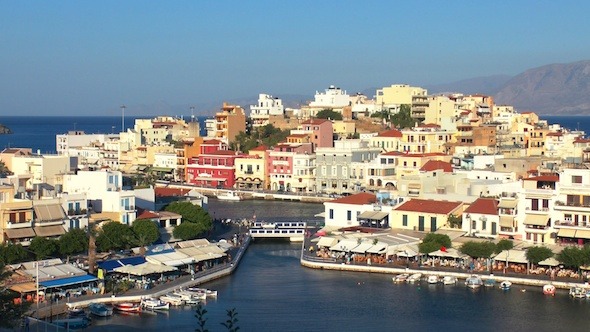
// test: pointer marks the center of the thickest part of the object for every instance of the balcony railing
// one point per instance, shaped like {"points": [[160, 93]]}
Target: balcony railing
{"points": [[19, 224], [571, 223]]}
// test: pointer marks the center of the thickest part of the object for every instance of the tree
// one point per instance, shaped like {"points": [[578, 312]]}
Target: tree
{"points": [[455, 221], [403, 118], [200, 313], [11, 312], [146, 232], [114, 236], [433, 242], [193, 214], [43, 247], [502, 245], [536, 254], [328, 114], [478, 249], [12, 253], [231, 324], [187, 231], [573, 257], [75, 241]]}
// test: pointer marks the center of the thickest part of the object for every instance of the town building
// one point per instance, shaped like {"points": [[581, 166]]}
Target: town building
{"points": [[229, 122], [424, 215], [266, 107]]}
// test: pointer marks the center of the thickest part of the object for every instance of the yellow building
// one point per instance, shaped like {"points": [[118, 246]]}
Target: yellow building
{"points": [[344, 128], [16, 217], [424, 215], [229, 122], [389, 140], [400, 94], [251, 172], [411, 163], [425, 138]]}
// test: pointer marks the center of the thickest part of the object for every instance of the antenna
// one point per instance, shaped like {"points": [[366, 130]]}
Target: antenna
{"points": [[123, 107]]}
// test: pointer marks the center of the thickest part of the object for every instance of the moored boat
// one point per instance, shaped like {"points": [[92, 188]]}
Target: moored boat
{"points": [[99, 309], [171, 298], [400, 278], [415, 277], [76, 312], [548, 289], [489, 282], [432, 279], [449, 280], [207, 292], [190, 297], [505, 285], [154, 304], [229, 196], [127, 307], [577, 292], [474, 282]]}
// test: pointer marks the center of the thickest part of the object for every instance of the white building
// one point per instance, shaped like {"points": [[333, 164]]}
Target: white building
{"points": [[356, 210], [75, 139], [267, 105], [333, 97]]}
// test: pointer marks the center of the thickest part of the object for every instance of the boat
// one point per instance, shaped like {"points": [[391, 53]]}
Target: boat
{"points": [[154, 304], [400, 278], [99, 309], [505, 285], [72, 323], [229, 196], [190, 297], [171, 298], [549, 289], [577, 292], [415, 277], [489, 282], [432, 279], [207, 292], [74, 312], [474, 282], [449, 280], [127, 307]]}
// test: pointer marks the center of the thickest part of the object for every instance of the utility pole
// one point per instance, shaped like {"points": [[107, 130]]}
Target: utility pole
{"points": [[123, 107]]}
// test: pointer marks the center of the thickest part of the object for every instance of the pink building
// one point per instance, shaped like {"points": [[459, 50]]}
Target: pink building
{"points": [[322, 132], [280, 164]]}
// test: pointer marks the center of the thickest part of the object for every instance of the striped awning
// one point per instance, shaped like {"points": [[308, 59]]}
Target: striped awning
{"points": [[19, 233], [566, 232], [49, 230], [583, 234], [507, 221], [508, 204], [49, 212], [536, 220]]}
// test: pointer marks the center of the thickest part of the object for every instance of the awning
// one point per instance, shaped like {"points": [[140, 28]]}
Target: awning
{"points": [[549, 262], [171, 259], [161, 169], [68, 281], [144, 269], [50, 230], [507, 221], [25, 287], [514, 256], [508, 203], [345, 245], [20, 233], [110, 265], [373, 215], [326, 241], [566, 232], [379, 248], [320, 215], [583, 234], [362, 248], [536, 220], [49, 212]]}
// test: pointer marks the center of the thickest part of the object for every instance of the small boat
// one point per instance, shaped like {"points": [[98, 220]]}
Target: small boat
{"points": [[190, 297], [127, 307], [415, 277], [154, 304], [72, 323], [474, 282], [398, 279], [432, 279], [449, 280], [577, 292], [207, 292], [76, 312], [99, 309], [229, 196], [549, 289], [171, 298], [489, 282], [505, 285]]}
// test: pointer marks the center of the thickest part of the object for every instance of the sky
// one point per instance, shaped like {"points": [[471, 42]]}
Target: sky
{"points": [[91, 57]]}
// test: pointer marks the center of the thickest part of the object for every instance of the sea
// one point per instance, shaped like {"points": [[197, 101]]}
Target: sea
{"points": [[271, 291]]}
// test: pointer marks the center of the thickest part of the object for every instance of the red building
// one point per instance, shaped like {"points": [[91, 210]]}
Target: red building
{"points": [[214, 167]]}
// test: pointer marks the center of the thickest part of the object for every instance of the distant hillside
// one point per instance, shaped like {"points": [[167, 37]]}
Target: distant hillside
{"points": [[557, 89], [488, 85]]}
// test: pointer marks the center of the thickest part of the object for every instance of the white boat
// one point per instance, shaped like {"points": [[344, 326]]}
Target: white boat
{"points": [[190, 297], [474, 282], [505, 285], [207, 292], [154, 304], [415, 278], [171, 298], [578, 292], [432, 279], [449, 280], [398, 279], [229, 196], [489, 282], [99, 309], [549, 289]]}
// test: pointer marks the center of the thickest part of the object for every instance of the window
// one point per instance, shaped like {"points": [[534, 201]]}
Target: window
{"points": [[576, 179], [349, 215], [405, 220], [483, 225], [331, 213]]}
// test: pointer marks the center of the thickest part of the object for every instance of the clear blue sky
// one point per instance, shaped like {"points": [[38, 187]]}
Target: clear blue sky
{"points": [[89, 57]]}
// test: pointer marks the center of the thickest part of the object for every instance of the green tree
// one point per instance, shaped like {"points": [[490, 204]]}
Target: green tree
{"points": [[403, 118], [43, 247], [502, 245], [12, 253], [572, 257], [536, 254], [192, 213], [200, 313], [75, 241], [4, 171], [10, 312], [187, 231], [455, 221], [231, 324], [478, 249], [433, 242], [114, 236], [329, 114], [146, 232]]}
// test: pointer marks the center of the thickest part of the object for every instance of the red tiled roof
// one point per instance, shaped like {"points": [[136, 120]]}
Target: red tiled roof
{"points": [[260, 148], [393, 153], [358, 199], [390, 133], [483, 206], [433, 165], [428, 125], [582, 140], [147, 215], [314, 121], [170, 192], [554, 134], [212, 141], [546, 178], [428, 206]]}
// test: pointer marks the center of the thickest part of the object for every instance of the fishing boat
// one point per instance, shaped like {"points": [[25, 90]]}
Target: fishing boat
{"points": [[154, 304], [474, 282], [99, 309], [489, 282], [548, 289], [505, 285], [207, 292], [415, 278], [190, 297], [74, 312], [72, 323], [400, 278], [229, 196], [577, 292], [449, 280], [127, 307], [171, 298], [432, 279]]}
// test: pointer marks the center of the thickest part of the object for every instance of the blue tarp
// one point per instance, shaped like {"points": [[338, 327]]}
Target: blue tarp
{"points": [[109, 265], [68, 281]]}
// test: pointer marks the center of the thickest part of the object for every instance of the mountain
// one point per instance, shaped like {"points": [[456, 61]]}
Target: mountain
{"points": [[488, 85], [556, 89]]}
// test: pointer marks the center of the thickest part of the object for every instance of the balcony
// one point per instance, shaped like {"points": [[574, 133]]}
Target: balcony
{"points": [[569, 206], [568, 223], [19, 224], [536, 229], [538, 211], [79, 212]]}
